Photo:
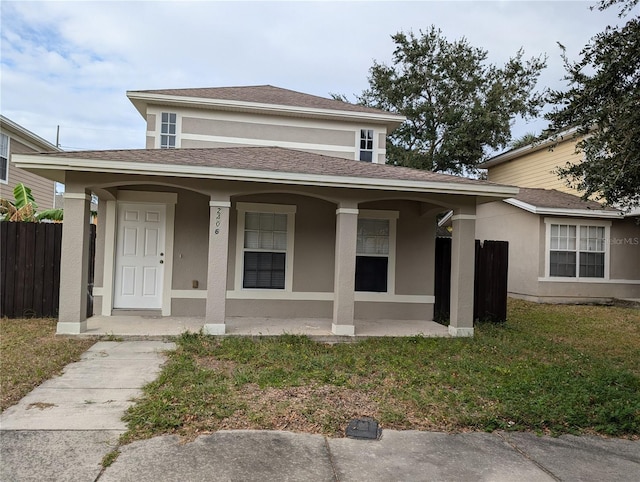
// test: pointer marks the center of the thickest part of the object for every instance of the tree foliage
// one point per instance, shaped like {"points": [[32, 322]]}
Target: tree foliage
{"points": [[458, 106], [603, 102]]}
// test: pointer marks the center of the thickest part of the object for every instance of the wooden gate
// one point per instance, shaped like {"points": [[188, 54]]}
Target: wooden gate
{"points": [[30, 269], [490, 281]]}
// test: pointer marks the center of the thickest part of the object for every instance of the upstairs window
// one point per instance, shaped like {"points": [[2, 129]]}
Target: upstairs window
{"points": [[577, 251], [366, 145], [4, 158], [168, 131]]}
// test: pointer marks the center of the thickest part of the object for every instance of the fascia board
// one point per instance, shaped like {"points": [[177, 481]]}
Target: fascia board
{"points": [[36, 141], [32, 162], [515, 153], [388, 119], [583, 213]]}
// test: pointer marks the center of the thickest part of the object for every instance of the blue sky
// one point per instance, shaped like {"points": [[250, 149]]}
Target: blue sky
{"points": [[70, 63]]}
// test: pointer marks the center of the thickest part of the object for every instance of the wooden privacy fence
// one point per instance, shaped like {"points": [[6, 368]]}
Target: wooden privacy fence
{"points": [[30, 269], [490, 282]]}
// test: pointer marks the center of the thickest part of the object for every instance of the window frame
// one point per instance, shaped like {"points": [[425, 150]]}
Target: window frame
{"points": [[578, 224], [392, 217], [175, 135], [360, 150], [5, 179], [241, 209]]}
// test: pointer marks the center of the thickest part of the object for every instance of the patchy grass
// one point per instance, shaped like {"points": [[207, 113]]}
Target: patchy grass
{"points": [[30, 354], [550, 369]]}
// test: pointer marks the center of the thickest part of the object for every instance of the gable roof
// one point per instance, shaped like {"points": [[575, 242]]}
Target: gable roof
{"points": [[260, 98], [35, 141], [553, 202], [262, 164]]}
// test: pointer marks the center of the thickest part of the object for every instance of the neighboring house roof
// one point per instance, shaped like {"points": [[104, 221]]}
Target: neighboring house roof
{"points": [[533, 147], [263, 164], [36, 142], [553, 202], [260, 98]]}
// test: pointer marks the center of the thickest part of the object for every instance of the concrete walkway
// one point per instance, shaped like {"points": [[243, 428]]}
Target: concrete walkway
{"points": [[62, 430]]}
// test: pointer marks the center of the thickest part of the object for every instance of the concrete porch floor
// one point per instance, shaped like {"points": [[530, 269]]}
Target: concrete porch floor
{"points": [[159, 327]]}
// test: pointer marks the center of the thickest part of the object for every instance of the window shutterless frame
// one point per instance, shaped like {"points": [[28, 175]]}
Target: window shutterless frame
{"points": [[264, 246], [376, 251]]}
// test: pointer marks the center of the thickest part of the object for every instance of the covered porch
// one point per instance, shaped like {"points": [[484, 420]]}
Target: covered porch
{"points": [[154, 325]]}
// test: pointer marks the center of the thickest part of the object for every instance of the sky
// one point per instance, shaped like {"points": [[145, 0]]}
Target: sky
{"points": [[70, 63]]}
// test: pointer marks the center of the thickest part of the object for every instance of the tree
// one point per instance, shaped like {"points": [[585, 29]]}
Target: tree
{"points": [[458, 106], [603, 102], [23, 208]]}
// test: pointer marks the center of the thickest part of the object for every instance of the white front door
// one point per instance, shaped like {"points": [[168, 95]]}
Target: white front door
{"points": [[140, 246]]}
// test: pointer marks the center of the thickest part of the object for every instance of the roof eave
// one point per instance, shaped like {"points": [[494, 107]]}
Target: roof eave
{"points": [[142, 99], [582, 213], [35, 139], [49, 163]]}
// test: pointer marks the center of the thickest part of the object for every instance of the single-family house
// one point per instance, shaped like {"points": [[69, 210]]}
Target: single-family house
{"points": [[562, 249], [15, 139], [261, 202]]}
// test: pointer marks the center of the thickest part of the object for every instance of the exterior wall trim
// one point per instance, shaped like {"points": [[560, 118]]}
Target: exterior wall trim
{"points": [[548, 279], [583, 213]]}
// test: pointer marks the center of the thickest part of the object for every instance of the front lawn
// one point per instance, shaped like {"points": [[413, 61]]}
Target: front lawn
{"points": [[30, 353], [550, 369]]}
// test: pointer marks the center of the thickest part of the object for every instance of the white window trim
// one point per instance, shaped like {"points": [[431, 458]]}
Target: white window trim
{"points": [[576, 222], [287, 209], [374, 152], [6, 181], [158, 133], [392, 216]]}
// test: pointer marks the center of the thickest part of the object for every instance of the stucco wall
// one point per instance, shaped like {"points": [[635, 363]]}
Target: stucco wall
{"points": [[625, 250], [199, 128], [498, 221]]}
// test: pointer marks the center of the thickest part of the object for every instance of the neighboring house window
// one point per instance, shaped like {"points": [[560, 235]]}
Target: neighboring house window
{"points": [[366, 145], [267, 245], [4, 158], [577, 250], [168, 131], [375, 251]]}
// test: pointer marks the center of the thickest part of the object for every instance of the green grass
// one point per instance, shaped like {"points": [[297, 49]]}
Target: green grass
{"points": [[30, 353], [550, 369]]}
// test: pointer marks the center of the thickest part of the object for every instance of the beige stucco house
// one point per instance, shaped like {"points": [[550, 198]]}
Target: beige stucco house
{"points": [[261, 202], [15, 139], [561, 248]]}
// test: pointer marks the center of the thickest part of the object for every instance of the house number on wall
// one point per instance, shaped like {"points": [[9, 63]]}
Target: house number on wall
{"points": [[218, 218]]}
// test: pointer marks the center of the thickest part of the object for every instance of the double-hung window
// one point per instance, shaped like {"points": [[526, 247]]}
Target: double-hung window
{"points": [[375, 251], [577, 250], [366, 145], [168, 130], [266, 236], [4, 158]]}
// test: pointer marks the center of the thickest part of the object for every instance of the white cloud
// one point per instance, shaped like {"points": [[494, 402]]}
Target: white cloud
{"points": [[70, 63]]}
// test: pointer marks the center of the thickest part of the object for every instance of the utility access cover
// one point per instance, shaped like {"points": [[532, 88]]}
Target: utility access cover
{"points": [[363, 428]]}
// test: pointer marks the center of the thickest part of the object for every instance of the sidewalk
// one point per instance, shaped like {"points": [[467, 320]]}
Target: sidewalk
{"points": [[62, 430]]}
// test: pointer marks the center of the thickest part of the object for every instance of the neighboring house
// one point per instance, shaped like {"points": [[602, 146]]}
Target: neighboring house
{"points": [[15, 139], [562, 249], [270, 225]]}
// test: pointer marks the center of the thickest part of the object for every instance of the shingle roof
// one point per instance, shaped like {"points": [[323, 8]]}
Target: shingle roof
{"points": [[266, 94], [269, 159], [551, 198]]}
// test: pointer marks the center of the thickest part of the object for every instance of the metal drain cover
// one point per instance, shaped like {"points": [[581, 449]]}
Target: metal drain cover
{"points": [[363, 428]]}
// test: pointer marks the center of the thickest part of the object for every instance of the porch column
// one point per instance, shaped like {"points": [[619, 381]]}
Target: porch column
{"points": [[345, 271], [217, 269], [74, 262], [462, 271]]}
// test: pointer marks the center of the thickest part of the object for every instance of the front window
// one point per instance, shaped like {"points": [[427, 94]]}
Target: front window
{"points": [[577, 251], [372, 255], [168, 131], [366, 145], [266, 232], [4, 158]]}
